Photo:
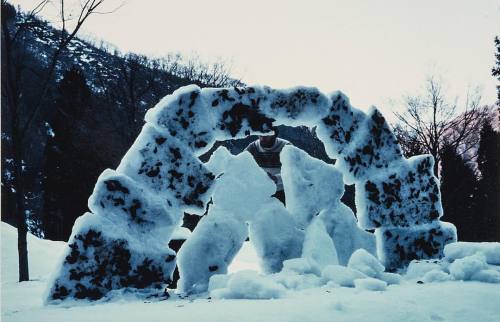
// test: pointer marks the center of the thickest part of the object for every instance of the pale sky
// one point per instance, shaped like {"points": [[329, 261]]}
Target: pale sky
{"points": [[374, 51]]}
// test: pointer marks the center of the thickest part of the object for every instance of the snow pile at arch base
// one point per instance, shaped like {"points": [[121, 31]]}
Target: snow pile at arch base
{"points": [[122, 242]]}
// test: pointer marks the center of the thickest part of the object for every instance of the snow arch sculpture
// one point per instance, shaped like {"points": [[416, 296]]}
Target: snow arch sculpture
{"points": [[122, 242]]}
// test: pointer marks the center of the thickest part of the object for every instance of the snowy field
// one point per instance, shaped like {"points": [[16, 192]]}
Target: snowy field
{"points": [[408, 301]]}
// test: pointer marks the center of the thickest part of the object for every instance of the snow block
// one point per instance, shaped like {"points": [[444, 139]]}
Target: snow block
{"points": [[242, 188], [214, 243], [403, 196], [274, 235], [318, 245], [397, 247], [102, 257], [242, 111], [374, 148], [311, 185], [119, 198], [166, 166], [347, 237], [238, 112], [338, 128], [186, 116]]}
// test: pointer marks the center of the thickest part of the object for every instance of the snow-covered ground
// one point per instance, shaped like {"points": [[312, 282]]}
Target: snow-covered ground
{"points": [[408, 301]]}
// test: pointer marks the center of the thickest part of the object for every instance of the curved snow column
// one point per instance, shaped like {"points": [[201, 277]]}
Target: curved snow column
{"points": [[275, 236], [311, 185], [103, 255], [239, 192], [342, 226], [397, 247], [402, 196], [169, 169]]}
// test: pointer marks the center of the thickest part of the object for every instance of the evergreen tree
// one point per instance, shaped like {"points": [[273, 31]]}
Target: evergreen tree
{"points": [[495, 71], [458, 184], [488, 197], [62, 185]]}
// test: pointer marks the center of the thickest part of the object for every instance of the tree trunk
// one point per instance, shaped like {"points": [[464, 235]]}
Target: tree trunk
{"points": [[22, 229]]}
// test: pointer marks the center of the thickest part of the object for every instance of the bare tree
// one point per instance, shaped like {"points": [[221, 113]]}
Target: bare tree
{"points": [[23, 113], [432, 120], [214, 74]]}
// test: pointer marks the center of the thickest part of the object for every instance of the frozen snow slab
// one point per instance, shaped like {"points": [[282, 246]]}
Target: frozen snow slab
{"points": [[341, 225], [374, 148], [405, 195], [397, 247], [274, 235], [101, 257], [187, 117], [339, 127], [211, 248], [458, 250], [311, 185], [120, 198], [165, 165], [242, 188], [253, 109]]}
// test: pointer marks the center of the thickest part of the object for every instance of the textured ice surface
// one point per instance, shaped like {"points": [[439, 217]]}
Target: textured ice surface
{"points": [[119, 198], [339, 127], [241, 192], [311, 185], [374, 148], [407, 194], [399, 246], [167, 167], [243, 187], [215, 241], [102, 255], [363, 261], [318, 245], [185, 115], [347, 237], [276, 238], [458, 250]]}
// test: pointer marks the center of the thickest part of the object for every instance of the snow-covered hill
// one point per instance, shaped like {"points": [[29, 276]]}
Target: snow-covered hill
{"points": [[409, 301]]}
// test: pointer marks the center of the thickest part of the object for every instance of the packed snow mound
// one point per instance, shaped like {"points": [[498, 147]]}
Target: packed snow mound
{"points": [[245, 285], [491, 251], [161, 177], [463, 261]]}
